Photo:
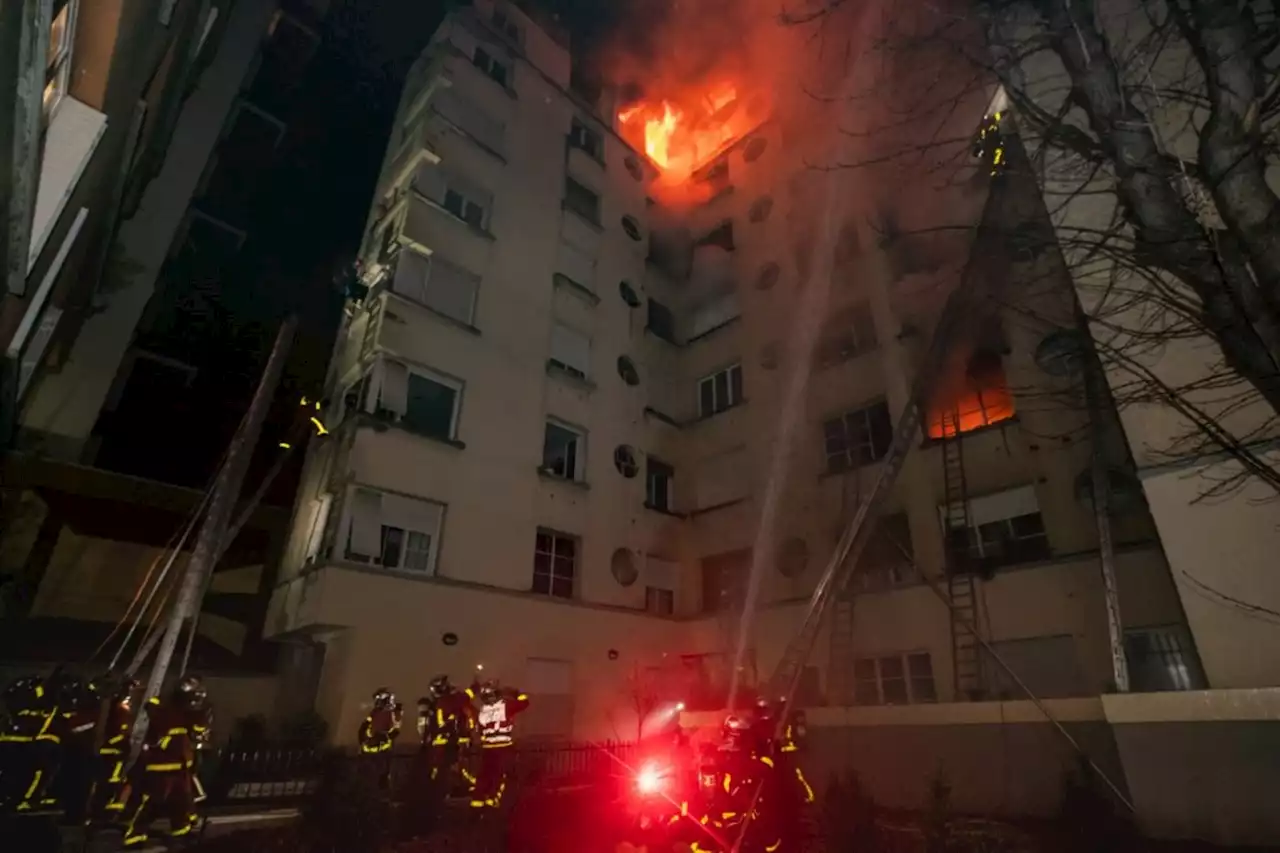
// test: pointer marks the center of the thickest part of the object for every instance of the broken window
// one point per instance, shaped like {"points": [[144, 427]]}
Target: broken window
{"points": [[978, 398]]}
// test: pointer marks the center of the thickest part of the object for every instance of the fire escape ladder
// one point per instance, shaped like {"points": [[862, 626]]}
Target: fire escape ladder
{"points": [[961, 588]]}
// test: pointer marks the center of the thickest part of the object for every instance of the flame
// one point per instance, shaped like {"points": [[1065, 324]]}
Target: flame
{"points": [[981, 400], [682, 133]]}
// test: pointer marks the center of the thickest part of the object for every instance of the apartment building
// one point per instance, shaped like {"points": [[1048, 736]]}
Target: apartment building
{"points": [[557, 411]]}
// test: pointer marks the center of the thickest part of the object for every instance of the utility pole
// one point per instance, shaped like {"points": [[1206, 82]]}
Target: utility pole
{"points": [[225, 493]]}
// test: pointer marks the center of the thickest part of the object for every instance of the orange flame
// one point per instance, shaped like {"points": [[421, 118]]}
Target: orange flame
{"points": [[682, 135]]}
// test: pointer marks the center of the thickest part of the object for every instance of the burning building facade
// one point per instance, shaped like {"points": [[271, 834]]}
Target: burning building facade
{"points": [[618, 354]]}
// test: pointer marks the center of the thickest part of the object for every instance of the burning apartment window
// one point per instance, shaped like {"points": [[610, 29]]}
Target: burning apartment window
{"points": [[848, 333], [555, 563], [659, 481], [661, 321], [721, 235], [587, 140], [581, 200], [498, 71], [857, 438], [563, 451], [720, 391], [979, 398], [894, 680], [888, 560]]}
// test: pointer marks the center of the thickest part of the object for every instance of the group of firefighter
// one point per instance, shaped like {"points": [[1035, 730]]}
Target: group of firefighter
{"points": [[451, 722], [65, 747], [745, 792]]}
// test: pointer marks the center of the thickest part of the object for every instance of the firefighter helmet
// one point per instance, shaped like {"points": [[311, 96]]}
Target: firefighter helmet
{"points": [[383, 698], [734, 730], [191, 691], [489, 692], [439, 686]]}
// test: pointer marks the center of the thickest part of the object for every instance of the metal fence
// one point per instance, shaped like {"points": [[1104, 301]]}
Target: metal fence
{"points": [[276, 778]]}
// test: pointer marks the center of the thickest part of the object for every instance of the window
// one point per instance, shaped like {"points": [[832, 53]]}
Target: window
{"points": [[562, 452], [720, 391], [570, 351], [846, 334], [469, 118], [581, 200], [979, 399], [424, 403], [857, 438], [888, 560], [393, 531], [721, 235], [577, 265], [57, 71], [1006, 528], [660, 602], [440, 285], [659, 478], [1161, 659], [894, 680], [714, 313], [724, 579], [503, 24], [555, 564], [465, 199], [499, 72], [661, 321], [586, 139]]}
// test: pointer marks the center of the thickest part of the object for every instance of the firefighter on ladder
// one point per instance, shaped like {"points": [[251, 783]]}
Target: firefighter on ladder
{"points": [[163, 774], [498, 710], [379, 731], [108, 793]]}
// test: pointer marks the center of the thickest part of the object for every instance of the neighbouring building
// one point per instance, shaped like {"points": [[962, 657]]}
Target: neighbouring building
{"points": [[566, 431], [160, 118]]}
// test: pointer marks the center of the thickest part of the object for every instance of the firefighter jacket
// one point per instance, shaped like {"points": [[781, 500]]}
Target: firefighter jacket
{"points": [[497, 719], [115, 735], [379, 730], [33, 714], [173, 731], [451, 719]]}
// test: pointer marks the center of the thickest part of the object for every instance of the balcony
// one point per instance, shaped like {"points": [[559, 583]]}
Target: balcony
{"points": [[428, 225]]}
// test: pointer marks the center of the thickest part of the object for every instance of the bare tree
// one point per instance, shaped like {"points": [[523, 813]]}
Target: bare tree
{"points": [[1150, 127], [642, 690]]}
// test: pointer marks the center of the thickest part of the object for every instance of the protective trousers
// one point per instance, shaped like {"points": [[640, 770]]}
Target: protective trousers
{"points": [[37, 766], [169, 791], [491, 781], [108, 792]]}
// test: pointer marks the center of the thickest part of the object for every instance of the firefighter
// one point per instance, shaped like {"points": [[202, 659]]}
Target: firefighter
{"points": [[78, 704], [165, 768], [21, 769], [38, 733], [108, 793], [452, 724], [496, 718], [379, 731]]}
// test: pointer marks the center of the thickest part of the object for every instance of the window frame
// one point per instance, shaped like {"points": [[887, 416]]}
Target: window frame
{"points": [[486, 60], [582, 373], [579, 473], [457, 386], [347, 525], [432, 259], [556, 537], [907, 676], [595, 215], [1182, 655], [733, 391], [658, 472], [450, 187], [580, 134], [851, 463], [57, 64]]}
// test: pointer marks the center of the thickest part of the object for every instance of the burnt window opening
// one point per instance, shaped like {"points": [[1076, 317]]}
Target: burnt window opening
{"points": [[847, 334], [857, 438], [978, 398], [721, 235], [495, 69], [661, 321], [582, 200], [587, 140]]}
